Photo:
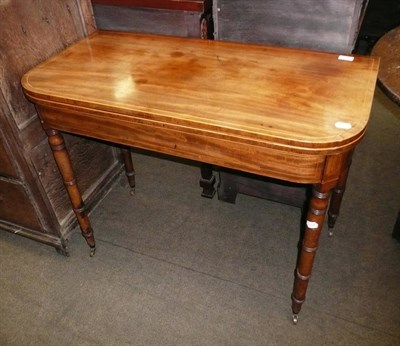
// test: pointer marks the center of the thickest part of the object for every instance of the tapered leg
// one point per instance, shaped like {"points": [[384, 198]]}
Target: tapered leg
{"points": [[337, 196], [129, 170], [207, 180], [314, 223], [63, 162]]}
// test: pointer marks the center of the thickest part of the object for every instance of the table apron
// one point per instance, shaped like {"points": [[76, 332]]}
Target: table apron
{"points": [[199, 145]]}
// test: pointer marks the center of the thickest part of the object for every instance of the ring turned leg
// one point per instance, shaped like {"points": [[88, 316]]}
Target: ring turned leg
{"points": [[337, 196], [314, 223], [63, 162], [129, 170]]}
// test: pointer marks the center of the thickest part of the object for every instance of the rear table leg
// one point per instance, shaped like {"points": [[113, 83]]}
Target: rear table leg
{"points": [[337, 196], [129, 170]]}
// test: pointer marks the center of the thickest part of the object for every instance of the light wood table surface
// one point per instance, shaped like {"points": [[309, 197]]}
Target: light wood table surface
{"points": [[294, 115]]}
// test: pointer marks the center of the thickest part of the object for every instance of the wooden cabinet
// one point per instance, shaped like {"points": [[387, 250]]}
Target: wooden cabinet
{"points": [[168, 17], [33, 202]]}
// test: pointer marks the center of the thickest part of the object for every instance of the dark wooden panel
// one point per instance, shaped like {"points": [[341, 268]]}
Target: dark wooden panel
{"points": [[30, 32], [32, 135], [6, 167], [16, 206], [329, 25], [45, 27], [92, 161], [183, 5], [153, 21]]}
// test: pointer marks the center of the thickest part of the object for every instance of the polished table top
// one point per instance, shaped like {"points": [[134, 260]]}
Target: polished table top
{"points": [[293, 99]]}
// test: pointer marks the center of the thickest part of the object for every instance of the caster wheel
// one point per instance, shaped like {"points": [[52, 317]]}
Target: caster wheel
{"points": [[295, 319], [330, 233], [92, 251]]}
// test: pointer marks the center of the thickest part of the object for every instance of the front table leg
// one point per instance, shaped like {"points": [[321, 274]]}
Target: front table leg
{"points": [[314, 223], [63, 162]]}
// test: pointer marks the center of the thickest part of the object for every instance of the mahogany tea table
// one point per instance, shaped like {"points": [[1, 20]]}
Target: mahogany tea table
{"points": [[289, 114]]}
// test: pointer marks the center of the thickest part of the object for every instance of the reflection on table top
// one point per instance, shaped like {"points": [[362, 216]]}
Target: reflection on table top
{"points": [[294, 97]]}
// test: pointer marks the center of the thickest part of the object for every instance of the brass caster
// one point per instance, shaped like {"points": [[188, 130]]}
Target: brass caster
{"points": [[295, 319], [132, 191], [92, 251], [330, 233]]}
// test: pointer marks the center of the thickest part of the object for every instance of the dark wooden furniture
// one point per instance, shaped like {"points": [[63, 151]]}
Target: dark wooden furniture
{"points": [[148, 91], [181, 5], [32, 198], [186, 18], [388, 49]]}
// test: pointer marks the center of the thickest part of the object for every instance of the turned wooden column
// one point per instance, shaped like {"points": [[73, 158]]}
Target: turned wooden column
{"points": [[63, 162], [129, 169], [314, 223]]}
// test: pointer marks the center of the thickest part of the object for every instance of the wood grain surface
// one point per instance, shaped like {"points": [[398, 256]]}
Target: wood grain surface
{"points": [[234, 105], [294, 115], [291, 96]]}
